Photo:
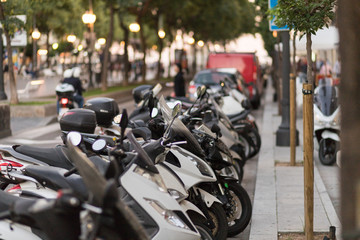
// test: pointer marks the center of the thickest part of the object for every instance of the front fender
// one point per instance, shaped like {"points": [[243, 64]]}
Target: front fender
{"points": [[328, 134], [207, 197], [189, 206]]}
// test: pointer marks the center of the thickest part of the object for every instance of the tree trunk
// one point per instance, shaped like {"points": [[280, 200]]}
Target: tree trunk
{"points": [[309, 60], [104, 71], [348, 18], [13, 90], [143, 48], [294, 54], [48, 49], [308, 110], [126, 53], [159, 69]]}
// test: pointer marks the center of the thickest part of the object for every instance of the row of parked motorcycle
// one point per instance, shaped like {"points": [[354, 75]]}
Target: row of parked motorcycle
{"points": [[172, 169]]}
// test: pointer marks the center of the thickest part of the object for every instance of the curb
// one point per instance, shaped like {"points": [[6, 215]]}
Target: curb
{"points": [[327, 203]]}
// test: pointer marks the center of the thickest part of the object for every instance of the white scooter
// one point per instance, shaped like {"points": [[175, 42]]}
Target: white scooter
{"points": [[143, 190], [326, 121]]}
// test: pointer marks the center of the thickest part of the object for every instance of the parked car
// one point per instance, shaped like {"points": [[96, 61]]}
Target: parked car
{"points": [[213, 77], [248, 65]]}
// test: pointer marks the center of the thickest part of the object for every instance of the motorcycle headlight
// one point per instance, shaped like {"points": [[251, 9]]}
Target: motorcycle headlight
{"points": [[178, 196], [154, 177], [225, 157], [167, 214], [203, 167]]}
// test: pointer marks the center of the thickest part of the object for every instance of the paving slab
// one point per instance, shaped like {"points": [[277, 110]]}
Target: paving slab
{"points": [[279, 192]]}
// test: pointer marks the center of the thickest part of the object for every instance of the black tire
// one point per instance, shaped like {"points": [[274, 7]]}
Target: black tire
{"points": [[239, 214], [218, 215], [199, 223], [254, 140], [327, 151], [239, 168]]}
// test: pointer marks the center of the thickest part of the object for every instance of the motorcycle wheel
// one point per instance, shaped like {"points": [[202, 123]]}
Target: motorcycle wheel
{"points": [[199, 223], [240, 210], [327, 151], [253, 140], [218, 216]]}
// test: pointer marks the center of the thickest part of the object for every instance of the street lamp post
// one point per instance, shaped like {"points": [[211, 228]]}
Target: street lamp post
{"points": [[134, 28], [89, 19], [35, 36]]}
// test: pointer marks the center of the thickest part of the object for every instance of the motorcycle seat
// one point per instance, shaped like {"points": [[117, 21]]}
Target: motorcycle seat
{"points": [[238, 116], [55, 157], [53, 178]]}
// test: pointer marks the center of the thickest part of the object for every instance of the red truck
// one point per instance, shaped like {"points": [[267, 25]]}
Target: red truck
{"points": [[248, 66]]}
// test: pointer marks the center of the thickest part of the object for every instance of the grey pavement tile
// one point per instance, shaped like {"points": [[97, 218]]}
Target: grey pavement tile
{"points": [[264, 224], [263, 237], [264, 207]]}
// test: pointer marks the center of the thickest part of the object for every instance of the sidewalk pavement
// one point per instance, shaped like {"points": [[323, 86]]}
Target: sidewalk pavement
{"points": [[279, 192]]}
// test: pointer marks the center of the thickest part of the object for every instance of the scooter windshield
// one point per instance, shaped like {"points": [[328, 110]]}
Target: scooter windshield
{"points": [[219, 112], [178, 128], [326, 99]]}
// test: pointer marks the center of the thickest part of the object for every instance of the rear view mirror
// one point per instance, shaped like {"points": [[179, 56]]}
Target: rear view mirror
{"points": [[203, 90], [123, 124], [74, 138], [154, 112], [176, 110], [117, 118], [99, 145], [246, 104], [198, 92]]}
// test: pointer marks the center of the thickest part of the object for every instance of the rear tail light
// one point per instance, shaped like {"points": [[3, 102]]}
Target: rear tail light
{"points": [[16, 190], [5, 162], [64, 101]]}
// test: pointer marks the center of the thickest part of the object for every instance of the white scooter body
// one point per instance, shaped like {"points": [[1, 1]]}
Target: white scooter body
{"points": [[231, 105], [146, 192], [64, 88], [174, 186], [326, 122], [190, 175], [12, 231], [143, 191]]}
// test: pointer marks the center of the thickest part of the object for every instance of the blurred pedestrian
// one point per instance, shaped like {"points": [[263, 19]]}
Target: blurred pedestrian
{"points": [[337, 68], [179, 81], [326, 69]]}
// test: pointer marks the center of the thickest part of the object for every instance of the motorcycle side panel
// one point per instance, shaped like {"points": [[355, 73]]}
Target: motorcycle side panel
{"points": [[231, 106], [16, 231], [170, 180], [143, 190]]}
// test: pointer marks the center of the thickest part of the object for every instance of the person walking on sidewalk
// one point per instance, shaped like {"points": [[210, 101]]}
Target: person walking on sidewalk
{"points": [[179, 82]]}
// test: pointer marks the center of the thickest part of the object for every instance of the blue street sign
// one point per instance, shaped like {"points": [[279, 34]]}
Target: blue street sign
{"points": [[272, 25]]}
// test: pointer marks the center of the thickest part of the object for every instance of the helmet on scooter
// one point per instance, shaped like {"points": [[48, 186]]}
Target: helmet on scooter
{"points": [[76, 72], [68, 73]]}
